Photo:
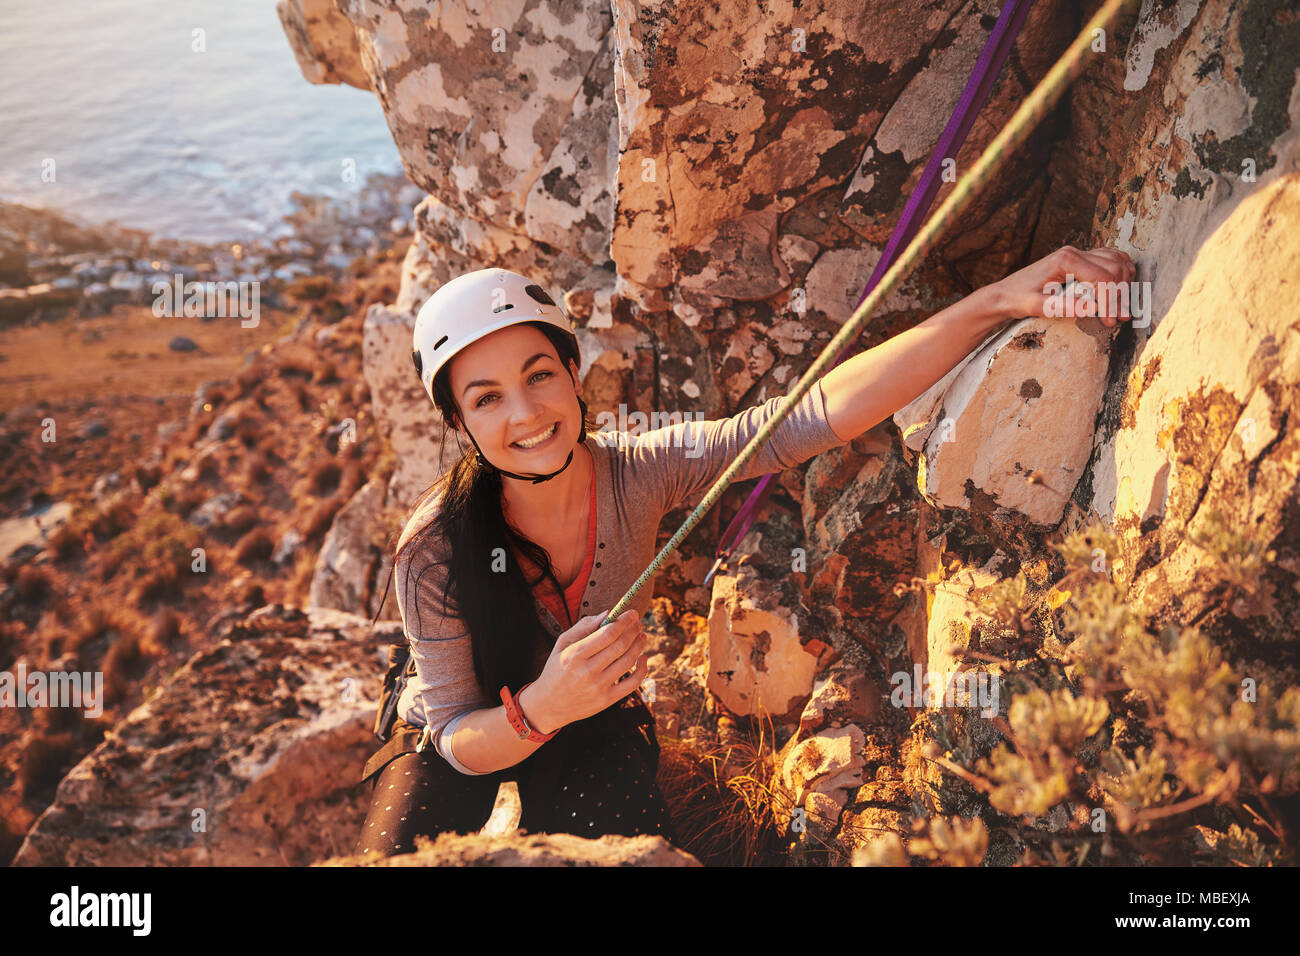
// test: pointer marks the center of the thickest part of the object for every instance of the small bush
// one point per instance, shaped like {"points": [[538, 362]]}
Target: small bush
{"points": [[720, 800], [165, 628], [241, 519], [125, 663], [254, 547], [320, 517], [66, 543], [147, 476], [32, 585], [159, 541], [324, 477], [114, 518], [160, 584], [96, 628], [309, 288], [1126, 734], [45, 761]]}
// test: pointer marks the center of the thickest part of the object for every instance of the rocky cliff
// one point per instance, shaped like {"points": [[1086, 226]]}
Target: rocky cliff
{"points": [[709, 189]]}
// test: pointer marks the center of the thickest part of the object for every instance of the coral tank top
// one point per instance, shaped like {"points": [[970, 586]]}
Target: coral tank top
{"points": [[568, 611]]}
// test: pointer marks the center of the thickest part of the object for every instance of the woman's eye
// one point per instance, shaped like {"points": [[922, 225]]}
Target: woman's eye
{"points": [[531, 378]]}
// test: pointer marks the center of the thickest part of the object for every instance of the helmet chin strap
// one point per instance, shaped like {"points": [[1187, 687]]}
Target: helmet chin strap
{"points": [[535, 479]]}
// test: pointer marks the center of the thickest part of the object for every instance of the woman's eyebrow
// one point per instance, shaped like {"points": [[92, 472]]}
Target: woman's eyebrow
{"points": [[488, 381]]}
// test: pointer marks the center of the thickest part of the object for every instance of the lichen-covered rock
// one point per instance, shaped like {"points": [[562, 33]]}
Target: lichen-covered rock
{"points": [[425, 447], [323, 42], [250, 754], [1198, 120], [860, 523], [844, 695], [728, 120], [504, 113], [1205, 426]]}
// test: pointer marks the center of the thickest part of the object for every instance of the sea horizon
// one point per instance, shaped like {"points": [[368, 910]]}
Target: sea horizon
{"points": [[182, 120]]}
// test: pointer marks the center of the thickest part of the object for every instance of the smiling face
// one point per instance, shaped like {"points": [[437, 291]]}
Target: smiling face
{"points": [[510, 387]]}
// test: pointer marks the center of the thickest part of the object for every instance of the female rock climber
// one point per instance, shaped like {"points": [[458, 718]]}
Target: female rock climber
{"points": [[510, 561]]}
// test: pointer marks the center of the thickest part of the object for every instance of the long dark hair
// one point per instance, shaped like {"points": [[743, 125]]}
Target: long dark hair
{"points": [[495, 606]]}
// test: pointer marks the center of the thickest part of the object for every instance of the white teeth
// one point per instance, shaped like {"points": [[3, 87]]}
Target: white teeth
{"points": [[531, 443]]}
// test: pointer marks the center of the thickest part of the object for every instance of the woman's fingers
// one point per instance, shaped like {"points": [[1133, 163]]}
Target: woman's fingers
{"points": [[617, 649], [606, 640], [633, 680], [1122, 267], [625, 662], [1084, 266], [1095, 275]]}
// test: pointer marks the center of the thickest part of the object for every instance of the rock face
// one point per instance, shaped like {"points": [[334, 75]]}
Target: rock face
{"points": [[818, 773], [709, 190], [1205, 425], [250, 754], [667, 174]]}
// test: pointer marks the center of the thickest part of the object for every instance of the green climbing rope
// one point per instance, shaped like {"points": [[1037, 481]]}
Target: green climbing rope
{"points": [[1030, 113]]}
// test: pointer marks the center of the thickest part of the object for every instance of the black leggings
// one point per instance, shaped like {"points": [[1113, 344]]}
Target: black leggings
{"points": [[595, 777]]}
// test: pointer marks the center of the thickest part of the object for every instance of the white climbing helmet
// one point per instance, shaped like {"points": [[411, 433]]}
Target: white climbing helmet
{"points": [[471, 306]]}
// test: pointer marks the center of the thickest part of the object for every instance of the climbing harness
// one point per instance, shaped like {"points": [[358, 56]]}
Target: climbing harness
{"points": [[1030, 113], [972, 101]]}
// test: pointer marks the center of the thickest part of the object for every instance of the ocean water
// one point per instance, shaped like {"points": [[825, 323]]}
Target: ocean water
{"points": [[144, 131]]}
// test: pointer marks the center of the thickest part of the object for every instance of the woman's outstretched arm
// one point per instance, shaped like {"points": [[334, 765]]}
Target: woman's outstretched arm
{"points": [[872, 385]]}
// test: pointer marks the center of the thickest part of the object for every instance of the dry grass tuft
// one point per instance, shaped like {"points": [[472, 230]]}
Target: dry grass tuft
{"points": [[720, 801]]}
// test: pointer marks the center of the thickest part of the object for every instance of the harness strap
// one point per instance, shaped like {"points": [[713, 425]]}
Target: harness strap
{"points": [[402, 741]]}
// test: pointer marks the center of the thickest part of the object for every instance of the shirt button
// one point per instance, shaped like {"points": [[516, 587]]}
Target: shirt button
{"points": [[597, 564], [602, 544]]}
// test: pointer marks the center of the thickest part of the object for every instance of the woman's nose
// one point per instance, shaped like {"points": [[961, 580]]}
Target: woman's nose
{"points": [[524, 409]]}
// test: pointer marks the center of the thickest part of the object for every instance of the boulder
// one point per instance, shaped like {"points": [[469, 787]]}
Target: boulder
{"points": [[250, 754], [758, 660], [348, 555]]}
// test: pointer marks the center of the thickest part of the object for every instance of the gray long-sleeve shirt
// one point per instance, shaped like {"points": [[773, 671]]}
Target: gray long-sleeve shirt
{"points": [[639, 478]]}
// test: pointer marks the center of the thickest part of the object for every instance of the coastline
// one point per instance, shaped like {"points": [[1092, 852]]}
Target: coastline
{"points": [[52, 265]]}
